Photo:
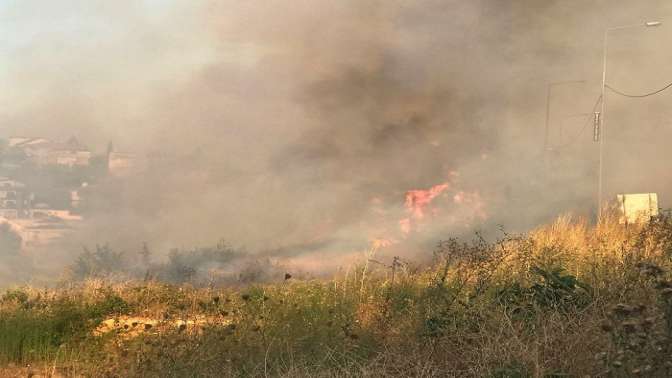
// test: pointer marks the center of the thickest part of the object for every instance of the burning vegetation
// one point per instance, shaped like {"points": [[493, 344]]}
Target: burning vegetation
{"points": [[375, 174], [421, 207], [567, 299]]}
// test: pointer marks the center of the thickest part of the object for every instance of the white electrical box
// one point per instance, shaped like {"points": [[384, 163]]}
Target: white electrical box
{"points": [[637, 208]]}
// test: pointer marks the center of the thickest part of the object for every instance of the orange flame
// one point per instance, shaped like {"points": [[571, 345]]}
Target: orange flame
{"points": [[417, 202]]}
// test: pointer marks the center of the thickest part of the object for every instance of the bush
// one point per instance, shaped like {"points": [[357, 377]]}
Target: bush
{"points": [[44, 333], [558, 290], [194, 265], [197, 266], [540, 305], [101, 262]]}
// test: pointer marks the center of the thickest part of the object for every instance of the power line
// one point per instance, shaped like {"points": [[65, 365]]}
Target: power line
{"points": [[583, 128], [638, 96], [599, 99]]}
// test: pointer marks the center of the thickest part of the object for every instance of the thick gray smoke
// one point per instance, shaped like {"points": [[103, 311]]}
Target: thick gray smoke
{"points": [[281, 122]]}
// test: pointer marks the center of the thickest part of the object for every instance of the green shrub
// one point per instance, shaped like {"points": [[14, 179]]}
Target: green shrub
{"points": [[559, 290], [40, 335], [101, 262]]}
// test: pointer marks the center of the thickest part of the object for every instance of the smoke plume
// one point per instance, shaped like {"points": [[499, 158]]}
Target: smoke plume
{"points": [[298, 127]]}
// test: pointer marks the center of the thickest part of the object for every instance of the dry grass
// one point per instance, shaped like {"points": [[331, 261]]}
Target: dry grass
{"points": [[568, 299]]}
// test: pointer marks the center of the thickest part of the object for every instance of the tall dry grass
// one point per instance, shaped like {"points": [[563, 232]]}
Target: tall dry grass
{"points": [[566, 299]]}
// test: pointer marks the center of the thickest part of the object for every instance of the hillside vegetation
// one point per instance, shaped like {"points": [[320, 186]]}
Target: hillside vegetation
{"points": [[566, 300]]}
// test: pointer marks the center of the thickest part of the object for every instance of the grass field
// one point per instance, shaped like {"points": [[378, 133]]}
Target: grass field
{"points": [[565, 300]]}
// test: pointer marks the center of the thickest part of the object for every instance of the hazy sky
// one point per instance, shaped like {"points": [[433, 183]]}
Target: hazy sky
{"points": [[96, 62]]}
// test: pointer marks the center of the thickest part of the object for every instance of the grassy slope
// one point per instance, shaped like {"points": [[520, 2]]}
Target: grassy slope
{"points": [[566, 299]]}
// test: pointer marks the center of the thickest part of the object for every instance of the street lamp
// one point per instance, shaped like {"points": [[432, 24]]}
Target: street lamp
{"points": [[600, 133]]}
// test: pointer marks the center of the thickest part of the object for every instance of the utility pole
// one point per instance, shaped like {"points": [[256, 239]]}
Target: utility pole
{"points": [[600, 133], [549, 90]]}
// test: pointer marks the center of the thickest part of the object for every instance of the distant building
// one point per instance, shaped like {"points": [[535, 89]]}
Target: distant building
{"points": [[23, 141], [45, 152], [42, 210], [39, 226], [39, 232], [75, 199], [14, 199], [120, 164]]}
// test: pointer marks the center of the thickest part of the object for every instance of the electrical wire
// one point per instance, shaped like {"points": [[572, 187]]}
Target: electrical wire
{"points": [[599, 99], [638, 96], [583, 128]]}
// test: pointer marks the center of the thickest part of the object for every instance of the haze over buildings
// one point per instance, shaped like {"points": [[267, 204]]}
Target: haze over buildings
{"points": [[302, 126]]}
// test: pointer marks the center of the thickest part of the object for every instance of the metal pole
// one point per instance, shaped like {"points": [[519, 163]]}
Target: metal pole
{"points": [[602, 126], [549, 88], [548, 115], [602, 131], [547, 158]]}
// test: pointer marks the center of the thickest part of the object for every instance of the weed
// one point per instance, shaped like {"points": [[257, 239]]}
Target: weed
{"points": [[564, 300]]}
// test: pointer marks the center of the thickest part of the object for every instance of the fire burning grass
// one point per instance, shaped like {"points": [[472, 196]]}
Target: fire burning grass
{"points": [[567, 299], [421, 204]]}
